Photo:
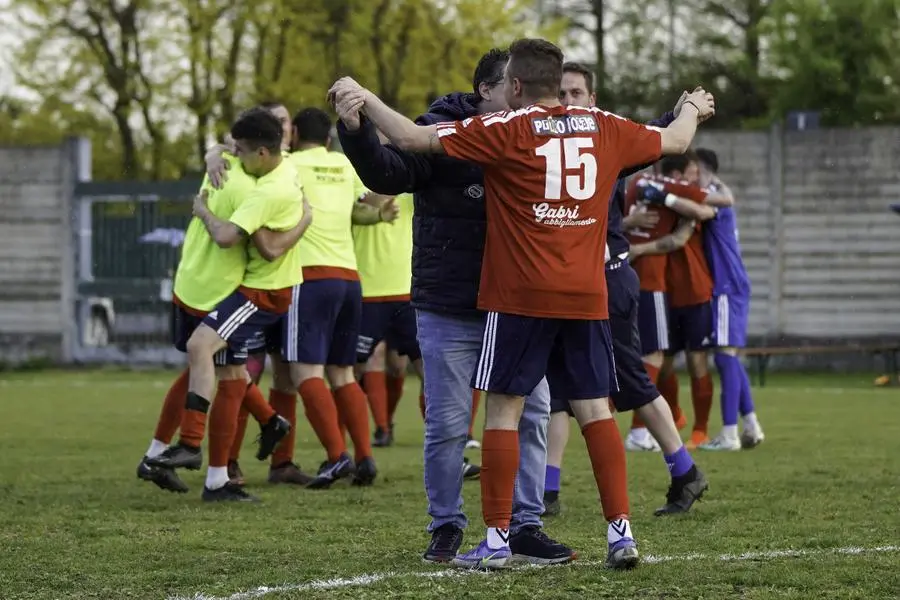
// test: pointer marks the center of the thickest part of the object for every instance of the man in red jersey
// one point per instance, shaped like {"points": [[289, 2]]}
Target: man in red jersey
{"points": [[549, 172]]}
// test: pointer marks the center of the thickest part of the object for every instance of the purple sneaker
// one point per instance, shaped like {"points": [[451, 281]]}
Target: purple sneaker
{"points": [[482, 557]]}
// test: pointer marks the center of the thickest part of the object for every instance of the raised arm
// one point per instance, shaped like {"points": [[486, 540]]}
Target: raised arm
{"points": [[697, 107], [273, 244], [666, 244]]}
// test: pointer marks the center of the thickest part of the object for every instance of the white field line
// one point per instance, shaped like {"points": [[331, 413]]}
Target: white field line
{"points": [[372, 578]]}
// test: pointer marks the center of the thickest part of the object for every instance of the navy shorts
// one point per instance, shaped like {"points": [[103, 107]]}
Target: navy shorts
{"points": [[690, 328], [517, 351], [242, 324], [653, 322], [322, 325], [392, 322], [730, 314], [183, 326]]}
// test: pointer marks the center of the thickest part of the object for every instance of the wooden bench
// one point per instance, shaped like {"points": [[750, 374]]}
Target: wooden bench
{"points": [[760, 354]]}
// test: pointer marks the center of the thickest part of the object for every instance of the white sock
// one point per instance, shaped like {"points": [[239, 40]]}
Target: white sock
{"points": [[617, 530], [729, 432], [156, 448], [640, 434], [216, 477], [497, 538], [750, 422]]}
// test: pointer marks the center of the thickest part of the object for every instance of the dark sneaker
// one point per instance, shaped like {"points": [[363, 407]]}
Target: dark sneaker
{"points": [[470, 472], [331, 472], [235, 475], [227, 493], [164, 478], [288, 473], [365, 472], [382, 438], [179, 456], [683, 492], [531, 545], [322, 467], [552, 505], [270, 434], [445, 543]]}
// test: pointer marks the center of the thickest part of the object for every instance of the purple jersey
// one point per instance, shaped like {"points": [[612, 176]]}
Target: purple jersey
{"points": [[723, 254]]}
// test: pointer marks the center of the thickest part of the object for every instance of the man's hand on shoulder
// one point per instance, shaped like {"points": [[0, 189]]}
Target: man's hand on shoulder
{"points": [[201, 203]]}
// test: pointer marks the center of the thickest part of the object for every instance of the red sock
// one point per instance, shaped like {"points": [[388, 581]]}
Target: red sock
{"points": [[223, 416], [321, 412], [476, 400], [702, 398], [172, 409], [499, 465], [668, 387], [243, 417], [193, 427], [375, 383], [422, 403], [257, 405], [607, 454], [351, 404], [285, 404], [394, 394]]}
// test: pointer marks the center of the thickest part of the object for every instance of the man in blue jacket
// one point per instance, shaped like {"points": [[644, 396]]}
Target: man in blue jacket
{"points": [[448, 244]]}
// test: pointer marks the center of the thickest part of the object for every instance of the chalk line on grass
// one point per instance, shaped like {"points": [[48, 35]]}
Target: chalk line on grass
{"points": [[372, 578]]}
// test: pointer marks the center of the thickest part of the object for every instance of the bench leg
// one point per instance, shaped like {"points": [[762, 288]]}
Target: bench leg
{"points": [[890, 358], [762, 365]]}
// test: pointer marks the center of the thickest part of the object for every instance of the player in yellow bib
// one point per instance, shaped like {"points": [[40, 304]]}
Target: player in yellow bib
{"points": [[240, 321]]}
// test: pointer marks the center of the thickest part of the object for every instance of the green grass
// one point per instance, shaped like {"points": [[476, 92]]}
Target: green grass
{"points": [[76, 523]]}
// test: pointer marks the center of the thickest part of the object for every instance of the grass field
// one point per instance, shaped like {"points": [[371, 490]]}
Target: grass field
{"points": [[812, 513]]}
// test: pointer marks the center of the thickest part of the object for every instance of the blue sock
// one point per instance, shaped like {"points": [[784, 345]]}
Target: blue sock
{"points": [[551, 478], [746, 403], [680, 462], [730, 373]]}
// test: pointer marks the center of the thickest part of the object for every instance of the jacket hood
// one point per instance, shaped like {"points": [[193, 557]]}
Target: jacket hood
{"points": [[452, 107]]}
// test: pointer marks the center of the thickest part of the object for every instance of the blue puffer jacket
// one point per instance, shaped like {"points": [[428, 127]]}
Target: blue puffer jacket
{"points": [[449, 217]]}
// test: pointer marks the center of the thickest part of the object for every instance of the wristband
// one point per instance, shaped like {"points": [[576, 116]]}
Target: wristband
{"points": [[670, 200], [691, 102]]}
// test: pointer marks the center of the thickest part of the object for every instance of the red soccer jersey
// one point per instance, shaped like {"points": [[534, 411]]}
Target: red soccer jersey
{"points": [[549, 173], [651, 268], [687, 275]]}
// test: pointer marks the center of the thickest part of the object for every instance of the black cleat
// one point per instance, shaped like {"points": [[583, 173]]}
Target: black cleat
{"points": [[683, 492], [445, 543], [470, 472], [288, 473], [227, 493], [365, 472], [179, 456], [552, 505], [382, 438], [531, 545], [270, 434], [164, 477], [331, 472]]}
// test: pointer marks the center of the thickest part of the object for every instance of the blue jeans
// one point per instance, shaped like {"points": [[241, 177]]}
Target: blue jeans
{"points": [[450, 348]]}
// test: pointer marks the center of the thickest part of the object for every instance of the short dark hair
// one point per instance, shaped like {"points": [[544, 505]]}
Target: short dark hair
{"points": [[677, 162], [708, 158], [489, 69], [259, 128], [537, 64], [313, 125], [575, 67]]}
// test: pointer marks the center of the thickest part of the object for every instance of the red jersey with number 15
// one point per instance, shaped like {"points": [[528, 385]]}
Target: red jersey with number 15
{"points": [[548, 174]]}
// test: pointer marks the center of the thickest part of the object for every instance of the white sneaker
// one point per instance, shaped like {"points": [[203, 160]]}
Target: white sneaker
{"points": [[641, 443], [751, 437], [720, 442]]}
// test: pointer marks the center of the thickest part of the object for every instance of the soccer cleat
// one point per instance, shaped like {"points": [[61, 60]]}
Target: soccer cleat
{"points": [[179, 456], [227, 493], [483, 557], [365, 472], [622, 555], [552, 505], [270, 434], [288, 473], [683, 492], [720, 443], [470, 472], [331, 472], [531, 545], [164, 477], [752, 437], [472, 443], [382, 438], [697, 439], [445, 543], [641, 443]]}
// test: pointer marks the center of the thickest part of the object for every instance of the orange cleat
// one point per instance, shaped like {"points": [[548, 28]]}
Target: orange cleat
{"points": [[697, 438]]}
